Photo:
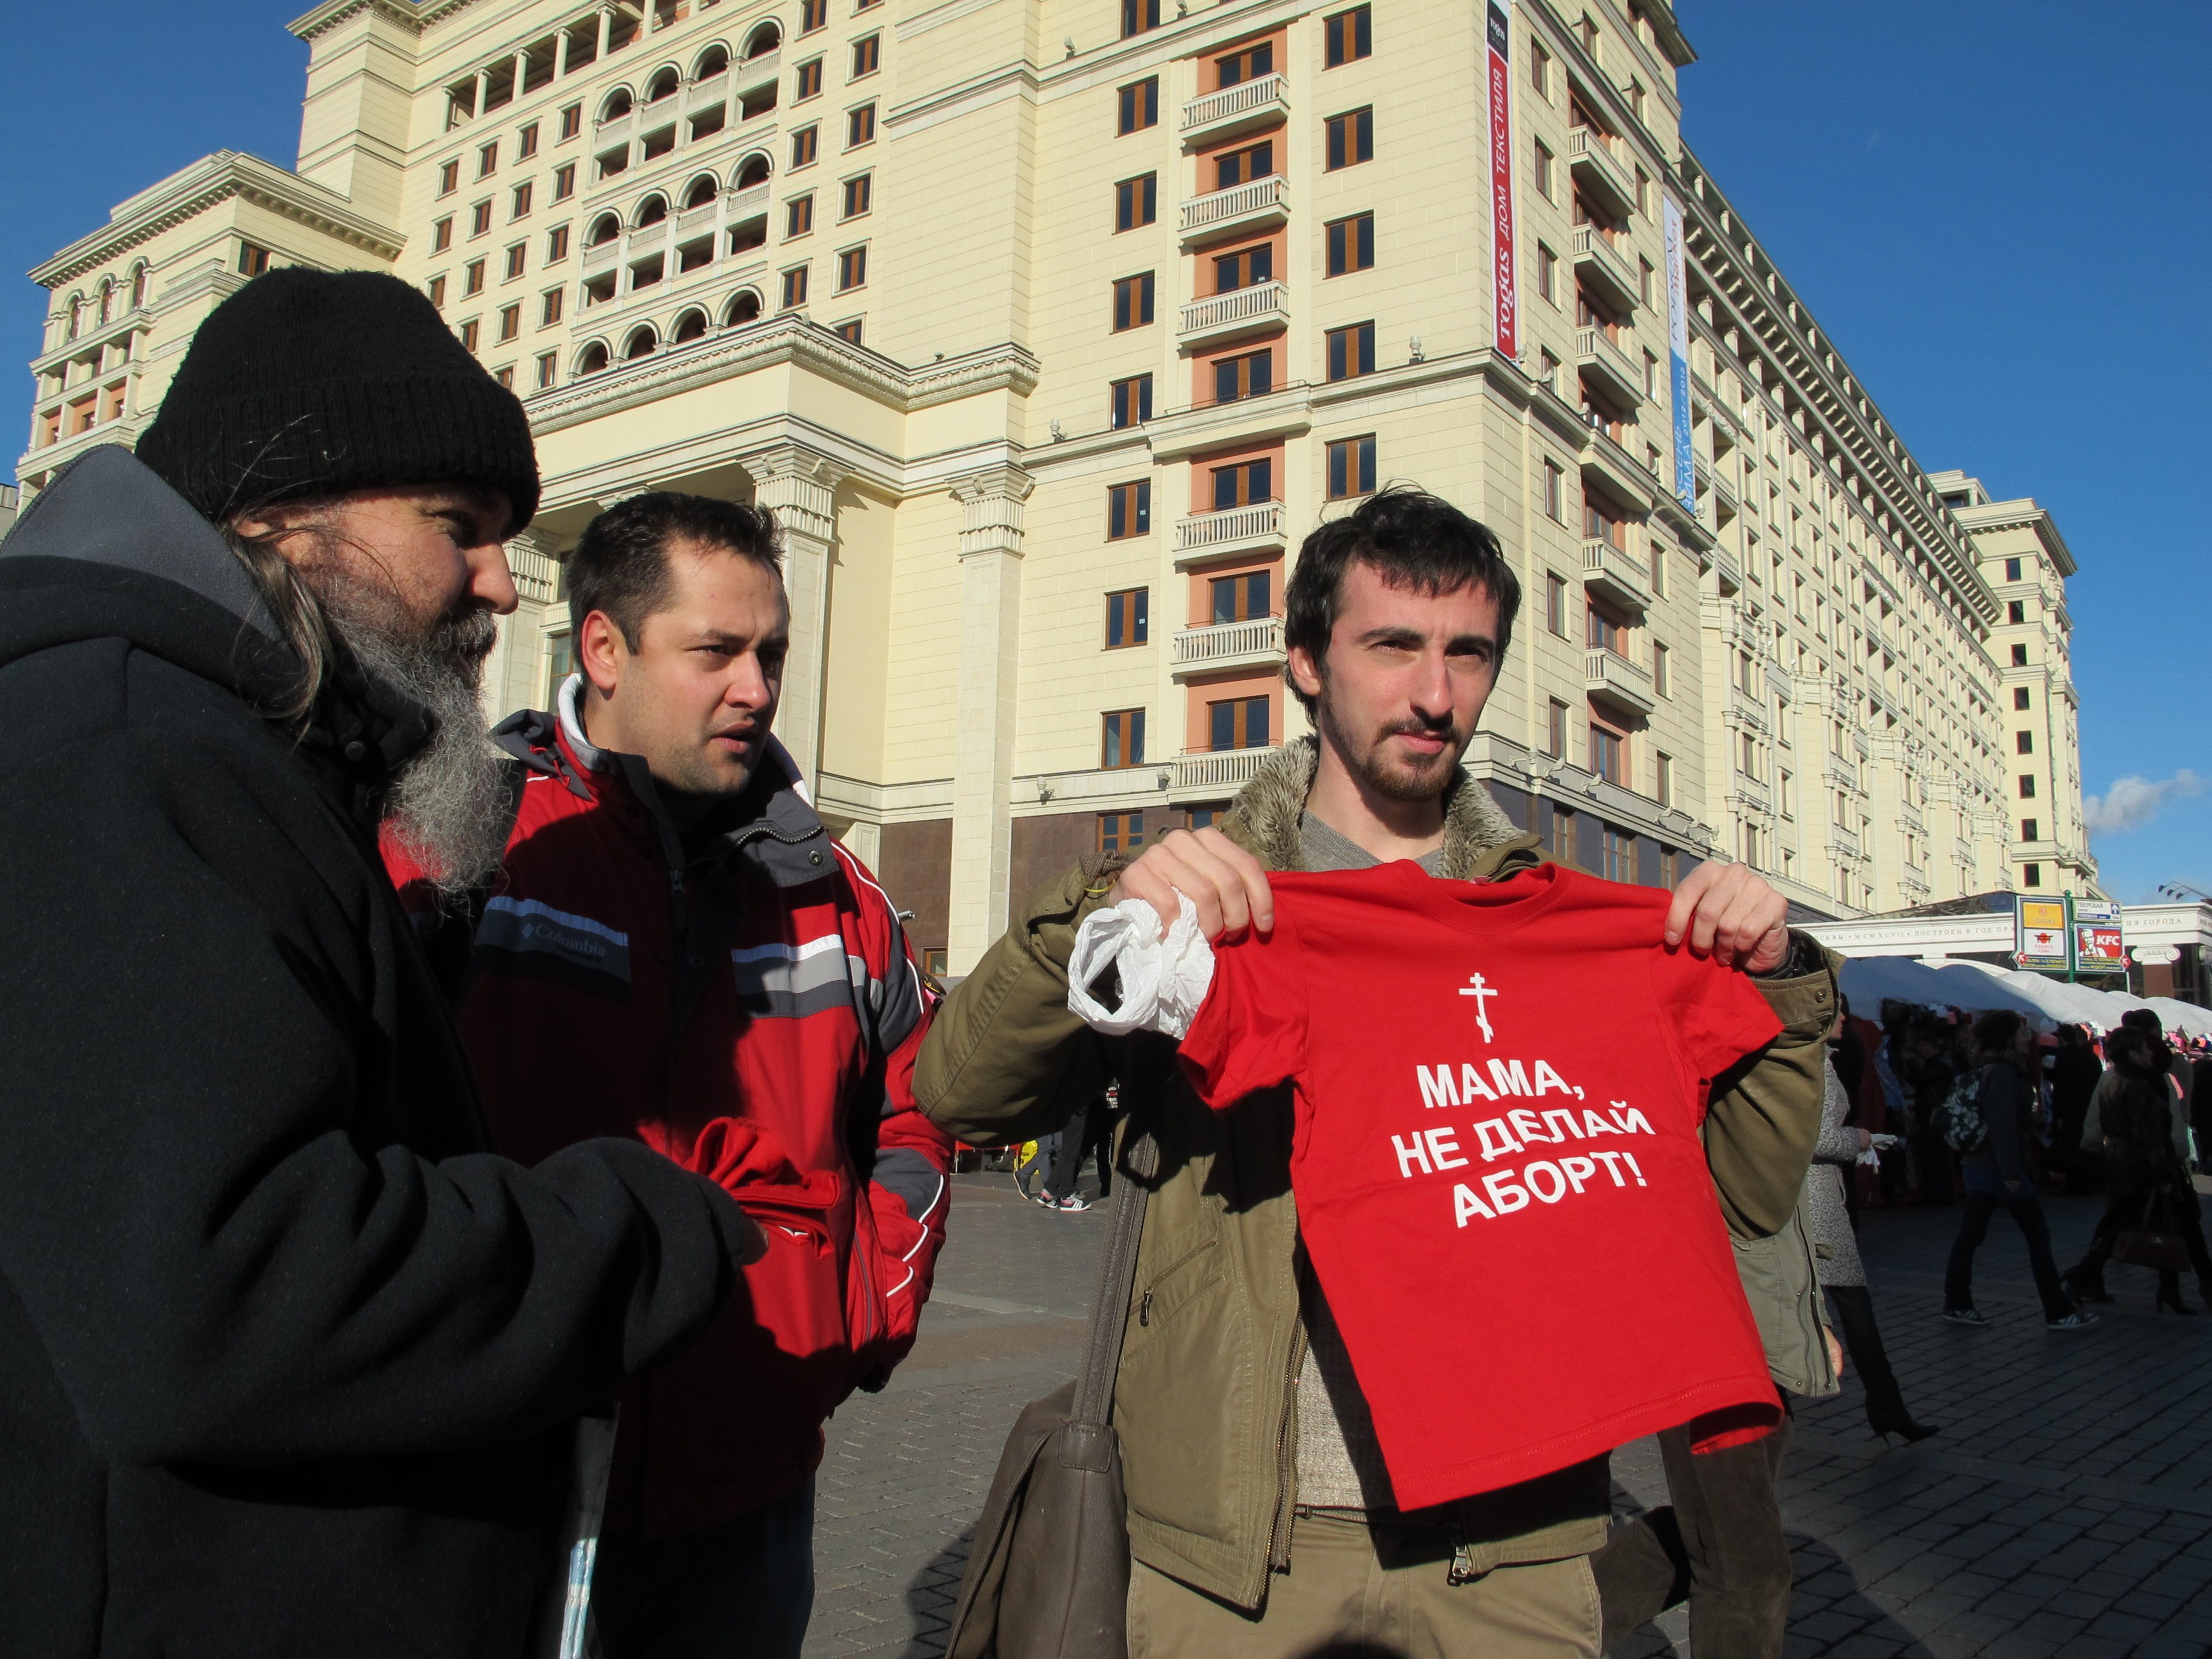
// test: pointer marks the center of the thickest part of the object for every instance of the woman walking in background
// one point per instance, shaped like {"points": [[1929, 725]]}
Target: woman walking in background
{"points": [[1836, 1256], [2144, 1182]]}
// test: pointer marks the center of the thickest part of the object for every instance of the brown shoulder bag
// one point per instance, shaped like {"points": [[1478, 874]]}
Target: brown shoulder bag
{"points": [[1047, 1577]]}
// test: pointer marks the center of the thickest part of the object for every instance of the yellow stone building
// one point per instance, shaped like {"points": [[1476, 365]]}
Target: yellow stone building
{"points": [[1049, 327]]}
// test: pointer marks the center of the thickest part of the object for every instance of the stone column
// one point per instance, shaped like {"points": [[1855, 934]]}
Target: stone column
{"points": [[990, 677], [799, 487], [606, 30], [511, 674]]}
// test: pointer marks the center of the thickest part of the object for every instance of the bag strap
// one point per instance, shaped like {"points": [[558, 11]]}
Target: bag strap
{"points": [[1117, 1266]]}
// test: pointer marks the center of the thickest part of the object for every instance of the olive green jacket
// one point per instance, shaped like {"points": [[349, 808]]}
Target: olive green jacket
{"points": [[1204, 1403]]}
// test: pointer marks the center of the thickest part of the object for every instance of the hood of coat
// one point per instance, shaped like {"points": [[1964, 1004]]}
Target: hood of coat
{"points": [[771, 827], [1264, 819], [110, 551]]}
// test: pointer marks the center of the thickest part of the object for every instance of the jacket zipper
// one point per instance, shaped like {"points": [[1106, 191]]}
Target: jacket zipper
{"points": [[1279, 1543]]}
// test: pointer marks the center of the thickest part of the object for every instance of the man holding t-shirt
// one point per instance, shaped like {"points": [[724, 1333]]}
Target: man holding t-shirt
{"points": [[1261, 1516]]}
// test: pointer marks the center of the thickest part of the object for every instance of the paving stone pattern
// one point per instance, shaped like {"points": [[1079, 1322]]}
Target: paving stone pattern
{"points": [[2066, 1508]]}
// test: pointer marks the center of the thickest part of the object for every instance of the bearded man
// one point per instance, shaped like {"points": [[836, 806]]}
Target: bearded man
{"points": [[1261, 1521], [289, 1361]]}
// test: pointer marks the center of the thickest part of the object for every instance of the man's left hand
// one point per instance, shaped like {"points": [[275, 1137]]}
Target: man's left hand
{"points": [[1727, 911]]}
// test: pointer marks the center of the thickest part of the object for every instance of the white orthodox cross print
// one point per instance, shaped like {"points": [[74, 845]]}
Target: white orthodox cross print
{"points": [[1481, 993]]}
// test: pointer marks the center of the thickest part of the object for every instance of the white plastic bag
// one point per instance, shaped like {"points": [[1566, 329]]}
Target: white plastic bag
{"points": [[1162, 980]]}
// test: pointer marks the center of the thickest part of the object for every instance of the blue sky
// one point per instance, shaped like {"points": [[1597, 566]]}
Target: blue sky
{"points": [[1993, 207]]}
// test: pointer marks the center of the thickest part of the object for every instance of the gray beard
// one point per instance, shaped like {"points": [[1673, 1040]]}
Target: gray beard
{"points": [[444, 807]]}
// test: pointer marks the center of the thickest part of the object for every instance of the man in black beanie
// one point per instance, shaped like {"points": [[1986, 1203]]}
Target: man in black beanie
{"points": [[289, 1361]]}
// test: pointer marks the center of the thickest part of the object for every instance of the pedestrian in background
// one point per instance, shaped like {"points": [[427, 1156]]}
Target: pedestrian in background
{"points": [[2076, 1072], [1836, 1253], [1090, 1135], [1998, 1172], [1929, 1075], [2146, 1185]]}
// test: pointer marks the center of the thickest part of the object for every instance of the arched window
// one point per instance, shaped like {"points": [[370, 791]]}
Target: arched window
{"points": [[138, 286], [715, 61], [753, 170], [663, 85], [690, 326], [650, 211], [594, 358], [643, 344], [703, 189], [75, 314], [765, 38], [605, 229], [745, 307], [107, 301], [618, 104]]}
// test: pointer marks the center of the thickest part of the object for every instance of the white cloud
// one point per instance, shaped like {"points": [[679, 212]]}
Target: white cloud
{"points": [[2132, 803]]}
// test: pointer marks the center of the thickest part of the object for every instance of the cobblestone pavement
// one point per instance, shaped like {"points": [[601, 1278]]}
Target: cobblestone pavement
{"points": [[2066, 1508]]}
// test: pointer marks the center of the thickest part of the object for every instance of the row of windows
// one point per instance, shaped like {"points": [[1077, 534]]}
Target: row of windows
{"points": [[1247, 596], [1348, 467], [1346, 36], [1239, 722]]}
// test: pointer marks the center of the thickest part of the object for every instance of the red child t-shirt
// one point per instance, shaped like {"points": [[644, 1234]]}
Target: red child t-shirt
{"points": [[1498, 1088]]}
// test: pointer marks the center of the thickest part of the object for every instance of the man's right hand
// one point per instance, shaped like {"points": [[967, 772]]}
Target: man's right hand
{"points": [[1223, 881]]}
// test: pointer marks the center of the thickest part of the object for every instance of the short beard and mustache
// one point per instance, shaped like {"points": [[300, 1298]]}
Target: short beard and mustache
{"points": [[1396, 781], [444, 805]]}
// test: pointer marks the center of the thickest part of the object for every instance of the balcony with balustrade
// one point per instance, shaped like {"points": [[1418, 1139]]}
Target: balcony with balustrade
{"points": [[1615, 573], [1240, 210], [1591, 156], [1228, 531], [1610, 678], [1596, 353], [1218, 646], [1245, 108], [1605, 267], [1220, 318], [1216, 772]]}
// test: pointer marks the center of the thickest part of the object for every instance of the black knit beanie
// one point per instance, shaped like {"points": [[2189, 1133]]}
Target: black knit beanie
{"points": [[306, 382]]}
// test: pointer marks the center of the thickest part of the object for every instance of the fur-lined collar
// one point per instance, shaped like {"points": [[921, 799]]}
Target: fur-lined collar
{"points": [[1265, 816]]}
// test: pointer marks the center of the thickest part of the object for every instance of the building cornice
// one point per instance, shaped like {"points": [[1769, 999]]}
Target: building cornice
{"points": [[207, 182], [414, 18], [1828, 390], [787, 339], [2020, 514]]}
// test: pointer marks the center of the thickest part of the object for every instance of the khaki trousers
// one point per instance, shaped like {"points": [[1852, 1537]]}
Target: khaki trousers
{"points": [[1356, 1592]]}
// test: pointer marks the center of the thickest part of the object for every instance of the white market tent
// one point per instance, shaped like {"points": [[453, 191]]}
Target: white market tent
{"points": [[1869, 980], [2182, 1016], [1974, 986]]}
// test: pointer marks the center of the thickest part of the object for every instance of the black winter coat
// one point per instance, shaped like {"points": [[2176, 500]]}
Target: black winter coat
{"points": [[288, 1359]]}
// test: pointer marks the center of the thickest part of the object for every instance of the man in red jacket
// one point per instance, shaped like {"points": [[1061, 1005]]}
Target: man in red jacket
{"points": [[674, 949]]}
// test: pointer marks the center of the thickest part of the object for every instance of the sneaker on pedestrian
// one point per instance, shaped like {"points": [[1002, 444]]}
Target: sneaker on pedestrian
{"points": [[1074, 1201], [1965, 1317], [1044, 1196], [2080, 1320]]}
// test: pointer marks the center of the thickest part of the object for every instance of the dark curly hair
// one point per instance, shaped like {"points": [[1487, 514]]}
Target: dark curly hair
{"points": [[1414, 539], [621, 564]]}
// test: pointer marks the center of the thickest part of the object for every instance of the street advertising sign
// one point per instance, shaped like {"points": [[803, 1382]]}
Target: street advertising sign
{"points": [[2039, 934], [1678, 355], [1497, 16], [2098, 941]]}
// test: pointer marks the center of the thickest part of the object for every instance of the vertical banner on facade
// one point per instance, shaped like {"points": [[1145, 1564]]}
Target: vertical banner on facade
{"points": [[1678, 355], [1499, 29]]}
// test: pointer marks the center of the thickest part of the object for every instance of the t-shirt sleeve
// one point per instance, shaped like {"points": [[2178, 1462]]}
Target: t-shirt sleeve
{"points": [[1250, 1032], [1717, 1013]]}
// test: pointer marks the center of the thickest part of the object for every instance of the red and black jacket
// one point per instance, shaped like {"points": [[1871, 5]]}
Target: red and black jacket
{"points": [[743, 1001]]}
